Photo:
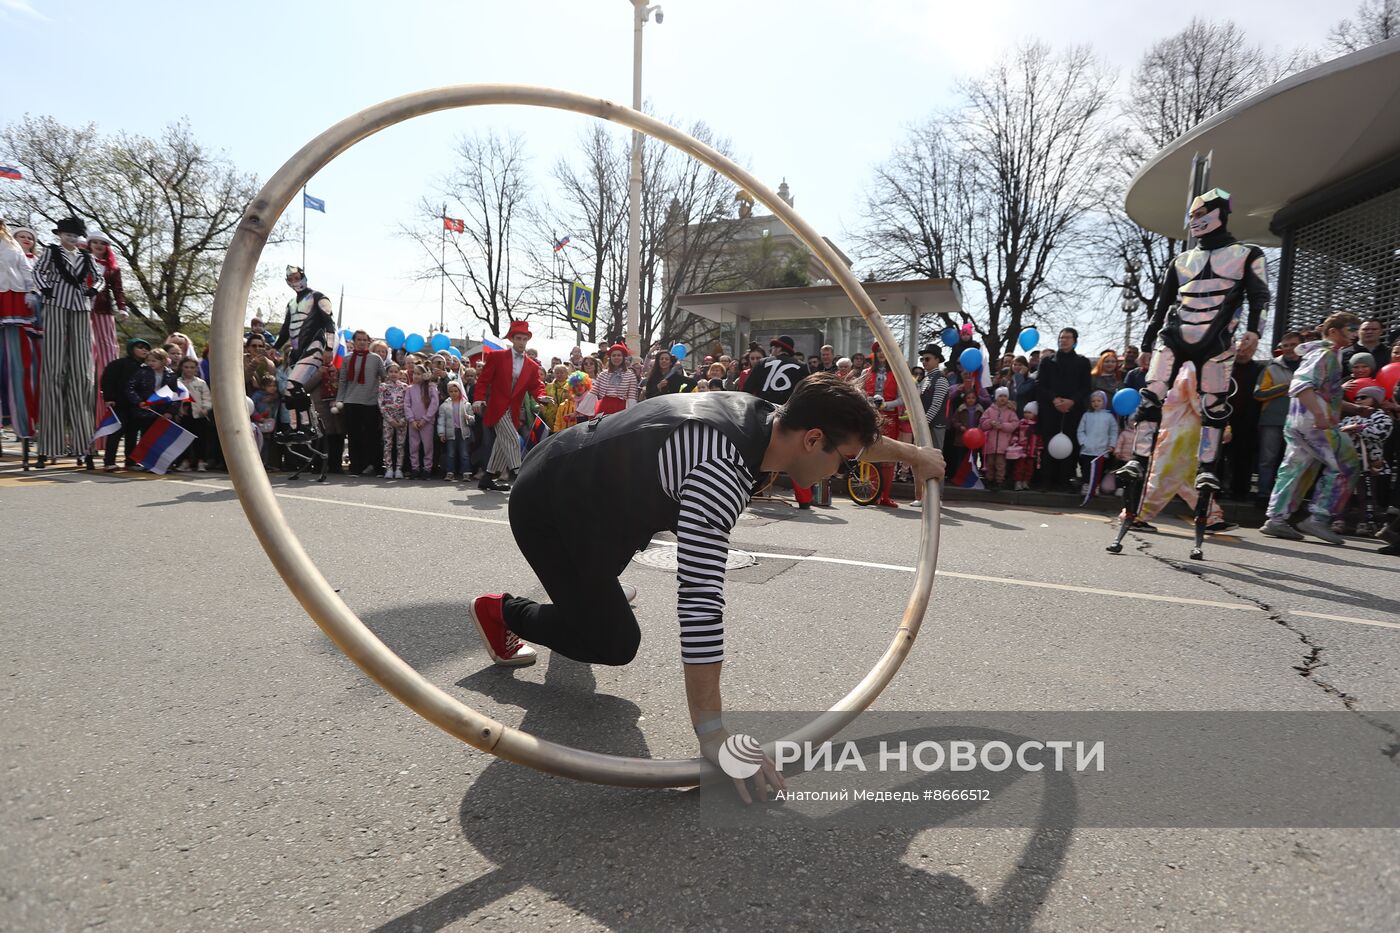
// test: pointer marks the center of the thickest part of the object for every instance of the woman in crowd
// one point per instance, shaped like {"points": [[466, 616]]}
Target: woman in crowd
{"points": [[881, 387], [659, 379], [591, 366], [19, 333], [1105, 375], [357, 397], [616, 387]]}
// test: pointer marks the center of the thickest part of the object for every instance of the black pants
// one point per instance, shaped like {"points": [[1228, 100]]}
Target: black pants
{"points": [[129, 417], [588, 619], [362, 427], [1242, 453]]}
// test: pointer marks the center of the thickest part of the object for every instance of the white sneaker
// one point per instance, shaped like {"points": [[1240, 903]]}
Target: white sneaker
{"points": [[201, 467]]}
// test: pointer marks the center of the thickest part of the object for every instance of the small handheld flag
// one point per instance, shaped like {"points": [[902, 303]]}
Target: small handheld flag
{"points": [[561, 244], [453, 224], [315, 204], [110, 424], [161, 445], [9, 171]]}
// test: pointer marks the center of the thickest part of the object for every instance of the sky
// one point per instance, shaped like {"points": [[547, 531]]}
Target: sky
{"points": [[816, 92]]}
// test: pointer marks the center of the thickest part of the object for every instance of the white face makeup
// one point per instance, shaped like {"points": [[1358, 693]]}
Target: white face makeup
{"points": [[69, 240]]}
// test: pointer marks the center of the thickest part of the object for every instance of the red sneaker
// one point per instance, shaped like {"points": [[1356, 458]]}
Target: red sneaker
{"points": [[504, 646]]}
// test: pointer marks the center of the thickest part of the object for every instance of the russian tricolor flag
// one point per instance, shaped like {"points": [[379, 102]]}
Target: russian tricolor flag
{"points": [[340, 349], [161, 445], [110, 424], [491, 343], [165, 395]]}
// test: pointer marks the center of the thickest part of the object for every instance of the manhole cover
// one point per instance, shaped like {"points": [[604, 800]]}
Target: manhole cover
{"points": [[664, 558]]}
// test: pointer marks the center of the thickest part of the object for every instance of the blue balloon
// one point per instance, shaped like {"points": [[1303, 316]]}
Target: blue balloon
{"points": [[414, 342], [394, 338], [1028, 339], [453, 351], [680, 351], [1126, 401], [970, 360], [440, 342], [949, 336], [348, 334]]}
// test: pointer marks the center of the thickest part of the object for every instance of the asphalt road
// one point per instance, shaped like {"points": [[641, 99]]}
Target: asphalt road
{"points": [[183, 749]]}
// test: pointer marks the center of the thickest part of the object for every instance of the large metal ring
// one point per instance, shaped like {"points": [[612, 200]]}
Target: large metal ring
{"points": [[316, 595]]}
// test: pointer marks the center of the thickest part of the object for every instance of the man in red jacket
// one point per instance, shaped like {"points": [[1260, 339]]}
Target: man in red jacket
{"points": [[507, 376]]}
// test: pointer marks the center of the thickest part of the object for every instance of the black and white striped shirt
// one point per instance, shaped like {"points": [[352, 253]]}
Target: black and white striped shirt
{"points": [[68, 292], [703, 471]]}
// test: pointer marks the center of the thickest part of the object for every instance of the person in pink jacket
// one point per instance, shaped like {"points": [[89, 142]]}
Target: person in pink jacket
{"points": [[420, 406], [999, 424]]}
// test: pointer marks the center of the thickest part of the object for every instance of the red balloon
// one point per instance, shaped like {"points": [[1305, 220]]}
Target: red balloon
{"points": [[1388, 377], [973, 438], [1352, 386]]}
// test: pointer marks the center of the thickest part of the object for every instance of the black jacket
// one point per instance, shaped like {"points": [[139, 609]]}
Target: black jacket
{"points": [[1064, 375], [142, 383], [115, 376], [774, 378]]}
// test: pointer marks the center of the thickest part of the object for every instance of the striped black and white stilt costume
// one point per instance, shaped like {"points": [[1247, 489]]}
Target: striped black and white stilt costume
{"points": [[67, 387]]}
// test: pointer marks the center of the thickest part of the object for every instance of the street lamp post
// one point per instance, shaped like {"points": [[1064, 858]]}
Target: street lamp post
{"points": [[641, 12], [1130, 299]]}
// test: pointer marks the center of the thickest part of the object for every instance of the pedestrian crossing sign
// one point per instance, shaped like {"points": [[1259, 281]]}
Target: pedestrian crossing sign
{"points": [[581, 304]]}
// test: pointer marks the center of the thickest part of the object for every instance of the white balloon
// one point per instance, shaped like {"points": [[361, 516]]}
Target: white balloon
{"points": [[1060, 446]]}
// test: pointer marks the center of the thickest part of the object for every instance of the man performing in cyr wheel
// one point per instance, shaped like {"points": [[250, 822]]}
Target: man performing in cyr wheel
{"points": [[1202, 303], [686, 463]]}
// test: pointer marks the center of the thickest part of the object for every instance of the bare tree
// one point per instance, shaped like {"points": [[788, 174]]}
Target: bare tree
{"points": [[686, 231], [169, 205], [1033, 131], [1375, 21], [591, 209], [909, 223], [489, 190]]}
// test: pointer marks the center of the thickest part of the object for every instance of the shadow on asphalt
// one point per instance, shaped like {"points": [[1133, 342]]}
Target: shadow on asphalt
{"points": [[954, 517], [647, 860], [193, 498]]}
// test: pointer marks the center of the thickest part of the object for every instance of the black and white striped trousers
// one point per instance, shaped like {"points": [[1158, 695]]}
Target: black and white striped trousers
{"points": [[67, 386]]}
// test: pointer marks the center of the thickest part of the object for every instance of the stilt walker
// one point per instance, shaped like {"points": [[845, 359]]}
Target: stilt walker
{"points": [[1208, 291], [68, 385], [19, 337], [107, 308]]}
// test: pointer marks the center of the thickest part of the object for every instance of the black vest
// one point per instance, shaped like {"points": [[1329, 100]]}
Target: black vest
{"points": [[604, 475]]}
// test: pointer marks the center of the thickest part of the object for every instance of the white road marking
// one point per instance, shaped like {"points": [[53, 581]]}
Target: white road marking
{"points": [[1319, 615], [871, 565], [357, 505]]}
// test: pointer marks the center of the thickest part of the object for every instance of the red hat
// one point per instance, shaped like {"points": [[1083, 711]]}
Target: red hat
{"points": [[785, 342], [619, 346], [519, 327]]}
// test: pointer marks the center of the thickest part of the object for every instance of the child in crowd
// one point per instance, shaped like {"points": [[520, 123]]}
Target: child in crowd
{"points": [[391, 410], [1024, 451], [581, 404], [999, 424], [1098, 431], [265, 403], [968, 414], [194, 414], [421, 408], [454, 427], [1369, 432]]}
